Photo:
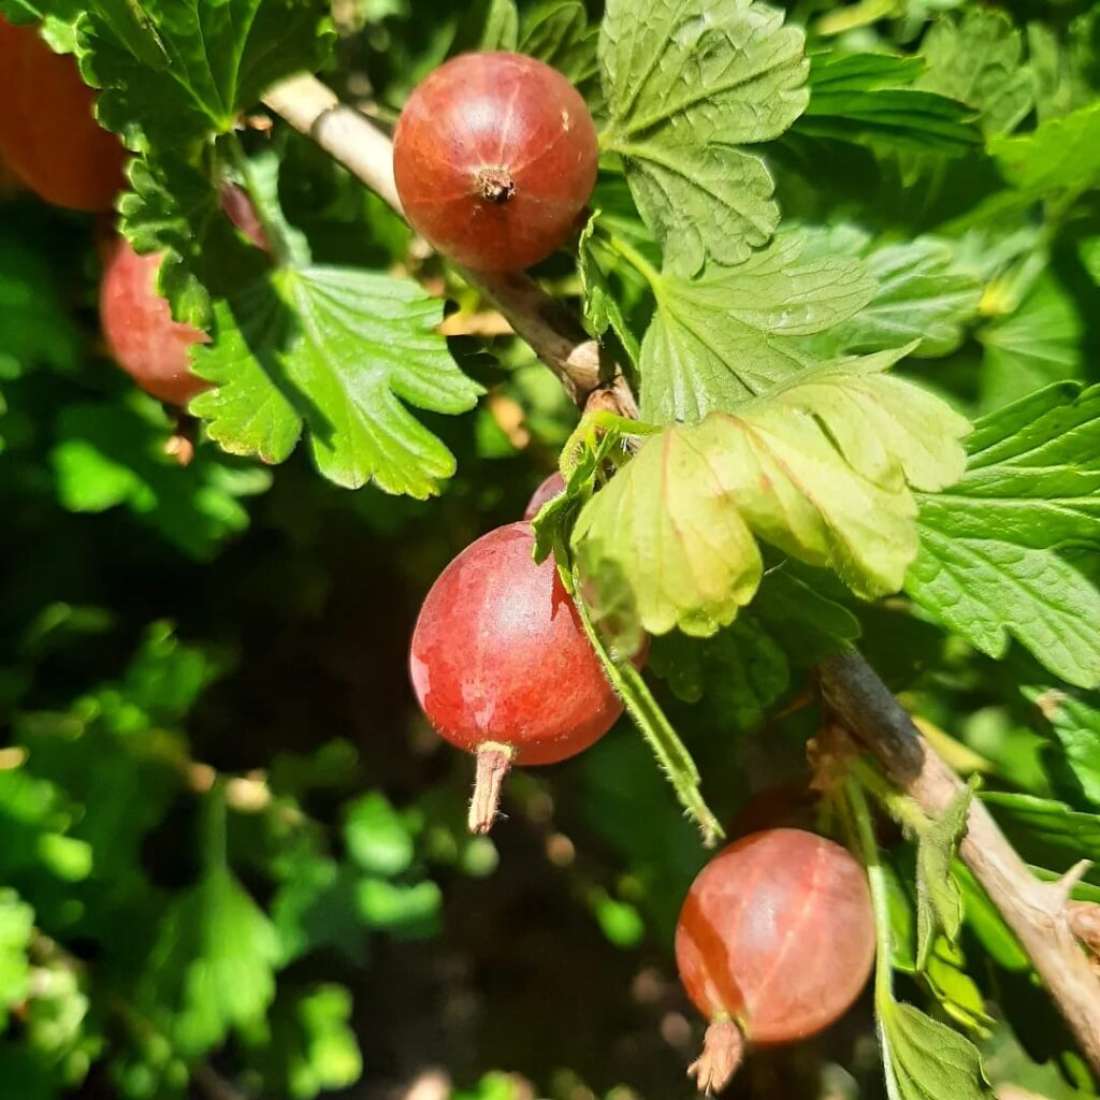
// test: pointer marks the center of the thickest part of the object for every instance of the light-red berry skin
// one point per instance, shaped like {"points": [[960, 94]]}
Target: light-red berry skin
{"points": [[138, 327], [495, 157], [499, 655], [778, 933], [48, 134]]}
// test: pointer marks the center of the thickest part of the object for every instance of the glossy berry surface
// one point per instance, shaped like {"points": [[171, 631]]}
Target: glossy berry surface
{"points": [[552, 487], [499, 655], [138, 327], [777, 931], [49, 137], [495, 157]]}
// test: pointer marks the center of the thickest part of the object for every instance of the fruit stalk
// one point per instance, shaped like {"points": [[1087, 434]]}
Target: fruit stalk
{"points": [[1032, 909]]}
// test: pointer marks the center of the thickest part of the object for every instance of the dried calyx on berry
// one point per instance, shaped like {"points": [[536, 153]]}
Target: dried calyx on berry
{"points": [[495, 156]]}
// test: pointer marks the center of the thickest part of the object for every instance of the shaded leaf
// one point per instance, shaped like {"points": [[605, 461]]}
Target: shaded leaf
{"points": [[736, 332], [988, 566]]}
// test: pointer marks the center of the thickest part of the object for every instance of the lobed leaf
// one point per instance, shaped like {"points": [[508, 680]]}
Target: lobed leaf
{"points": [[687, 83], [820, 469], [978, 60], [989, 567], [1061, 158], [337, 350]]}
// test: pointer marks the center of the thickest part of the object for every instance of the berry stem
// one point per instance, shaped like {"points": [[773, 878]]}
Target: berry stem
{"points": [[864, 829], [671, 753], [723, 1051], [493, 763]]}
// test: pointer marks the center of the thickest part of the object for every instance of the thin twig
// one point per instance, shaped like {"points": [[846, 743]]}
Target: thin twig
{"points": [[1035, 911]]}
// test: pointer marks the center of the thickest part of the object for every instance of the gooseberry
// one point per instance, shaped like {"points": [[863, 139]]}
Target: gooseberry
{"points": [[138, 327], [552, 487], [495, 157], [501, 665], [48, 134], [775, 941], [137, 322]]}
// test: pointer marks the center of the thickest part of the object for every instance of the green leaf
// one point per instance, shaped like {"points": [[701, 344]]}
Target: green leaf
{"points": [[939, 901], [1074, 720], [741, 670], [377, 839], [819, 468], [310, 1047], [867, 98], [1060, 159], [211, 967], [184, 72], [16, 928], [927, 1060], [922, 294], [1045, 831], [1038, 343], [557, 32], [34, 821], [988, 566], [688, 82], [337, 350], [736, 332], [487, 25], [597, 266], [978, 59], [399, 909], [1065, 70], [109, 455], [316, 908]]}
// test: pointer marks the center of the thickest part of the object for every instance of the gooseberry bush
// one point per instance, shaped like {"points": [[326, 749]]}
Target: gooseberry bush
{"points": [[685, 409]]}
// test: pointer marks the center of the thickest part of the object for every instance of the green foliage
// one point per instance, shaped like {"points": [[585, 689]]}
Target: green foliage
{"points": [[1031, 463], [825, 242]]}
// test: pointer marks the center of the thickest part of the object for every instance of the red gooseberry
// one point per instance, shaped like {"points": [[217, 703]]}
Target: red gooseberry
{"points": [[501, 665], [495, 157], [775, 941], [137, 322], [48, 134]]}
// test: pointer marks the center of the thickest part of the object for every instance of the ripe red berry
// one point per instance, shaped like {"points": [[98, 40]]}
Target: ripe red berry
{"points": [[775, 941], [48, 134], [501, 665], [552, 487], [137, 324], [495, 157]]}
